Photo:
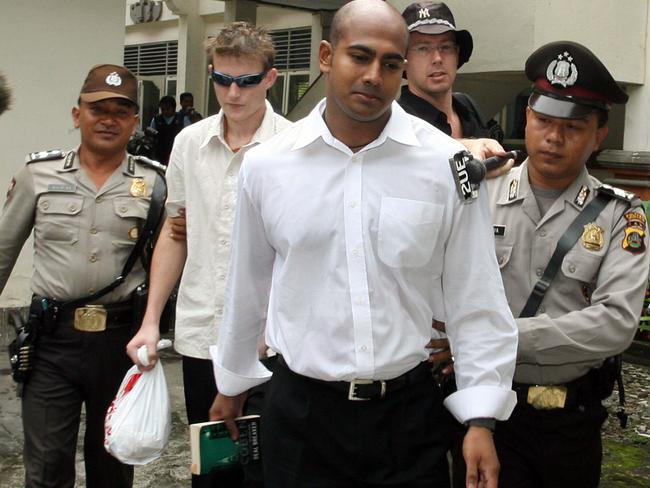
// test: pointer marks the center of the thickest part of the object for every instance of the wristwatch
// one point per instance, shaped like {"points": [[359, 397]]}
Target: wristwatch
{"points": [[487, 422]]}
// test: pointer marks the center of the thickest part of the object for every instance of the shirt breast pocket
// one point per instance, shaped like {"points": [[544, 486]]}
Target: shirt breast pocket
{"points": [[581, 265], [407, 232], [58, 217], [131, 213]]}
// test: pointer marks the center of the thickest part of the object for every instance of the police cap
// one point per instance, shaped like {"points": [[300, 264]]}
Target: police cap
{"points": [[436, 18], [109, 81], [570, 81]]}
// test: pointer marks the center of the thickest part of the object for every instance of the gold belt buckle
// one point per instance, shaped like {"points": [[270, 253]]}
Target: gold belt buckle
{"points": [[91, 318], [547, 397]]}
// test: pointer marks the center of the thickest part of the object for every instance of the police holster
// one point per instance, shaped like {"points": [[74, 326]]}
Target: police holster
{"points": [[611, 370], [22, 349]]}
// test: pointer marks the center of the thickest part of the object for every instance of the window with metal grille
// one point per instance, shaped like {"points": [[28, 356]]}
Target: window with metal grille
{"points": [[159, 58], [293, 48]]}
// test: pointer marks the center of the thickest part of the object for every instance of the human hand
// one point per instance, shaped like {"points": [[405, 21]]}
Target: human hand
{"points": [[178, 226], [148, 335], [228, 409], [481, 458], [485, 148]]}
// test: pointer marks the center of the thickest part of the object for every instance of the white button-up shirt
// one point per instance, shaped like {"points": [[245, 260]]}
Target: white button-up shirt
{"points": [[202, 177], [348, 257]]}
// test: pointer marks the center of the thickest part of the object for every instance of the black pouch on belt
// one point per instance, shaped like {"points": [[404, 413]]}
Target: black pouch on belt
{"points": [[23, 348]]}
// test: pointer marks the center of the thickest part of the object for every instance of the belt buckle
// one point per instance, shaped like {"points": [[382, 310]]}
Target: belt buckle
{"points": [[352, 392], [91, 318], [547, 397]]}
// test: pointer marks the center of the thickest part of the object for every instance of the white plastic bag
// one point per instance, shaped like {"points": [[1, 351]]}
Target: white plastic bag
{"points": [[138, 420]]}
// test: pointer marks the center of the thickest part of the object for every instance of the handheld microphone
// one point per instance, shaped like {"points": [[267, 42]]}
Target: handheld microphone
{"points": [[469, 172], [477, 169]]}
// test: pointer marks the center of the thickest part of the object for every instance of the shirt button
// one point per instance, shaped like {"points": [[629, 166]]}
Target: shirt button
{"points": [[93, 230], [222, 277], [223, 242], [226, 207], [542, 233], [541, 309], [98, 199], [72, 207], [359, 301], [363, 348], [122, 209], [229, 173], [355, 252], [45, 205], [539, 272], [219, 311], [91, 291], [353, 204], [93, 258], [572, 268]]}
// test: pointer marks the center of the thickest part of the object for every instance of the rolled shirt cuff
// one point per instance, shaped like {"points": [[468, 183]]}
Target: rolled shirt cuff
{"points": [[480, 402], [232, 384]]}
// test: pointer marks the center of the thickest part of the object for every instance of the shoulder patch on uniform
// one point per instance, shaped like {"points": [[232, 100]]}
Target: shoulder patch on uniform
{"points": [[44, 156], [618, 193], [635, 231], [145, 161]]}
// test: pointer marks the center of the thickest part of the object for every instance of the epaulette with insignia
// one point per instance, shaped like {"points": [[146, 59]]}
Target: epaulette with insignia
{"points": [[612, 191], [44, 156], [150, 162]]}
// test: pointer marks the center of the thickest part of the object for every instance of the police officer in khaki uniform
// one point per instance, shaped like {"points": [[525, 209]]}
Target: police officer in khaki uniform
{"points": [[591, 309], [87, 207]]}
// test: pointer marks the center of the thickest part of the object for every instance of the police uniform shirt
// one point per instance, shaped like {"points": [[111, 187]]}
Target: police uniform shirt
{"points": [[82, 235], [591, 309]]}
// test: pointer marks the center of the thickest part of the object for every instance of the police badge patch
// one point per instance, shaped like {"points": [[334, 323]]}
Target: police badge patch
{"points": [[592, 237], [634, 238]]}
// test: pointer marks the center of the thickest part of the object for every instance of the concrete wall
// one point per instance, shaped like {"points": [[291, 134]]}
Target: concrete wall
{"points": [[48, 46]]}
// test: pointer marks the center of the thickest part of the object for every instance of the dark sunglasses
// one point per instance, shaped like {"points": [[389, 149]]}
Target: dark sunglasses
{"points": [[242, 81]]}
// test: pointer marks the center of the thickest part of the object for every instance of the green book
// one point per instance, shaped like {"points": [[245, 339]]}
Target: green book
{"points": [[212, 448]]}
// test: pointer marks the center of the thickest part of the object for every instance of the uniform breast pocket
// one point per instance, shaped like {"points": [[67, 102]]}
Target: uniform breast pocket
{"points": [[408, 231], [581, 265], [58, 217], [504, 252], [131, 214]]}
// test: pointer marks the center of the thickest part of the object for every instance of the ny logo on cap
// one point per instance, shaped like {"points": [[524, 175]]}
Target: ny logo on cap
{"points": [[562, 71], [113, 79], [424, 12]]}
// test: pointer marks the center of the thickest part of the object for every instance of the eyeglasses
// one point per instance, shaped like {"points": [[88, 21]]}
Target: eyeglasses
{"points": [[445, 49], [243, 81]]}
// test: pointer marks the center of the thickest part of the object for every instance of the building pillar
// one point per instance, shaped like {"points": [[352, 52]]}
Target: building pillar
{"points": [[636, 135], [240, 10]]}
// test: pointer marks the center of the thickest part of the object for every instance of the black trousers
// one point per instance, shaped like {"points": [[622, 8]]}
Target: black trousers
{"points": [[551, 448], [200, 390], [314, 437], [72, 368]]}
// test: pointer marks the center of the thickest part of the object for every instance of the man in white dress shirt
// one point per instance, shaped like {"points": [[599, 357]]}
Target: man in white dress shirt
{"points": [[349, 239]]}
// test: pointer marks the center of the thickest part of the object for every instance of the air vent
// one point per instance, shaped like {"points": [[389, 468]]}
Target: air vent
{"points": [[293, 48], [160, 58]]}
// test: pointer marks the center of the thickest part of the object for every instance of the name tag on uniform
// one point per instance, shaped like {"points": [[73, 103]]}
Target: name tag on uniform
{"points": [[70, 188]]}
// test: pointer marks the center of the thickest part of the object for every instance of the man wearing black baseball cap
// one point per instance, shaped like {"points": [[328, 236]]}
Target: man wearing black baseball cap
{"points": [[436, 50], [574, 265], [87, 207]]}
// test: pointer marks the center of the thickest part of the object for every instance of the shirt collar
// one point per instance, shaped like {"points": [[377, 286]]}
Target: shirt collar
{"points": [[265, 131], [398, 128]]}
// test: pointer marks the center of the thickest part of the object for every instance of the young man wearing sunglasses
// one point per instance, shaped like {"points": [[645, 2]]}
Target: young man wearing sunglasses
{"points": [[202, 178]]}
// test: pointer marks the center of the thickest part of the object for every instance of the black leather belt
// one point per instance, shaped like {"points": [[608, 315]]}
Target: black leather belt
{"points": [[118, 314], [549, 397], [362, 390]]}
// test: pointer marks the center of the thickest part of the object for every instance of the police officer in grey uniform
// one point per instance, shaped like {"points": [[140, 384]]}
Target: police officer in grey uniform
{"points": [[87, 207], [590, 309]]}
